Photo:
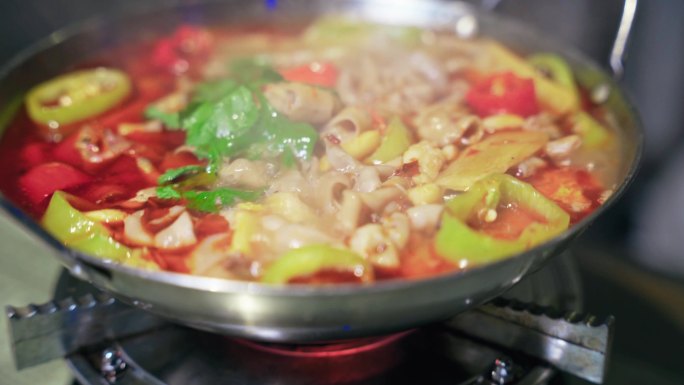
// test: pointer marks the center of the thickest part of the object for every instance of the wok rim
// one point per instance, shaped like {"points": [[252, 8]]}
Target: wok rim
{"points": [[76, 260]]}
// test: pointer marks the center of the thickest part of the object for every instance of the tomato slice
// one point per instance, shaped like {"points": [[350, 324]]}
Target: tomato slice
{"points": [[316, 73], [178, 52], [41, 181], [503, 93], [575, 190]]}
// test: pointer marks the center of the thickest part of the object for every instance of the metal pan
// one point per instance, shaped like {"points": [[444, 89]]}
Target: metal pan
{"points": [[299, 313]]}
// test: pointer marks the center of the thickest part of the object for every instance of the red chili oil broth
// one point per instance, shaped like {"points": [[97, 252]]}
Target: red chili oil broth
{"points": [[23, 146]]}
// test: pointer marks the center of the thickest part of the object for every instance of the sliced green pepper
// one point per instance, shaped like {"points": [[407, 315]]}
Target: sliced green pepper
{"points": [[593, 134], [77, 231], [339, 30], [397, 140], [77, 96], [557, 69], [457, 242], [309, 260]]}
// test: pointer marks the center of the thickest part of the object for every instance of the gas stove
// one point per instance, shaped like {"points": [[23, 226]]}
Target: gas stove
{"points": [[525, 337]]}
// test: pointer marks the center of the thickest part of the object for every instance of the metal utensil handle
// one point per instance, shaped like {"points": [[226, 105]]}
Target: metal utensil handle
{"points": [[575, 343], [618, 51]]}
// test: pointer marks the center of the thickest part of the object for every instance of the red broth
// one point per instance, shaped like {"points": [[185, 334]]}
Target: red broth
{"points": [[31, 152]]}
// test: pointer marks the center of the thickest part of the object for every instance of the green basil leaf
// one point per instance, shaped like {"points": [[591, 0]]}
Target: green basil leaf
{"points": [[170, 120], [210, 201], [168, 192], [173, 174], [222, 128], [252, 70], [213, 91]]}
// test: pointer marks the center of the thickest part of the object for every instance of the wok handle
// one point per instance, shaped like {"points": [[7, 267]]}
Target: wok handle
{"points": [[619, 50]]}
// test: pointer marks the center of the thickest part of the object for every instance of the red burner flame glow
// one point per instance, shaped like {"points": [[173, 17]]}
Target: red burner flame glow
{"points": [[331, 363], [327, 350]]}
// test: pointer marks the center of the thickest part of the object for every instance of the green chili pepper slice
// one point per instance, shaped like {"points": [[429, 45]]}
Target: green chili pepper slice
{"points": [[458, 242], [77, 96], [557, 69], [309, 260], [592, 132], [77, 231], [396, 141]]}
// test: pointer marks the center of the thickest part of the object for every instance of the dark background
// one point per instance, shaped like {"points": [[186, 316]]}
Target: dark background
{"points": [[632, 260]]}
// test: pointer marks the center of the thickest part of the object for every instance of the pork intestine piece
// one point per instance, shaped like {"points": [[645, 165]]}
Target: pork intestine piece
{"points": [[302, 102], [392, 80], [348, 123]]}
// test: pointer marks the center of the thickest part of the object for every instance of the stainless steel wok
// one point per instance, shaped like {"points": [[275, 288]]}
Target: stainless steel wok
{"points": [[299, 313]]}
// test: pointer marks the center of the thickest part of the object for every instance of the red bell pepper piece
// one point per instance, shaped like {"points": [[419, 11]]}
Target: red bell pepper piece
{"points": [[66, 151], [36, 153], [503, 93], [178, 160], [178, 51], [316, 73], [212, 224], [41, 181]]}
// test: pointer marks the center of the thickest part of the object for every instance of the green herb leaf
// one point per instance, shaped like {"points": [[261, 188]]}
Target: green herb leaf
{"points": [[233, 118], [210, 201], [168, 192], [173, 174], [170, 120], [222, 128], [252, 70], [294, 138], [213, 91]]}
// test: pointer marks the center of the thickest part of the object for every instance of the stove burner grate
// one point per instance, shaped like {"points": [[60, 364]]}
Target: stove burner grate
{"points": [[433, 355]]}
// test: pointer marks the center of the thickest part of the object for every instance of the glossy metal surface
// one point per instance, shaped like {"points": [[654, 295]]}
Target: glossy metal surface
{"points": [[437, 354], [302, 313]]}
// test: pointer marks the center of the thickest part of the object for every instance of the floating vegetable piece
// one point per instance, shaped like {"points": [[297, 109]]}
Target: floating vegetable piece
{"points": [[170, 119], [309, 260], [558, 70], [104, 246], [593, 134], [550, 94], [176, 173], [500, 122], [77, 96], [338, 30], [66, 223], [253, 71], [106, 215], [210, 201], [76, 230], [503, 93], [242, 122], [495, 154], [397, 139], [44, 179], [317, 73], [569, 188], [222, 127], [245, 225], [363, 145], [457, 241]]}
